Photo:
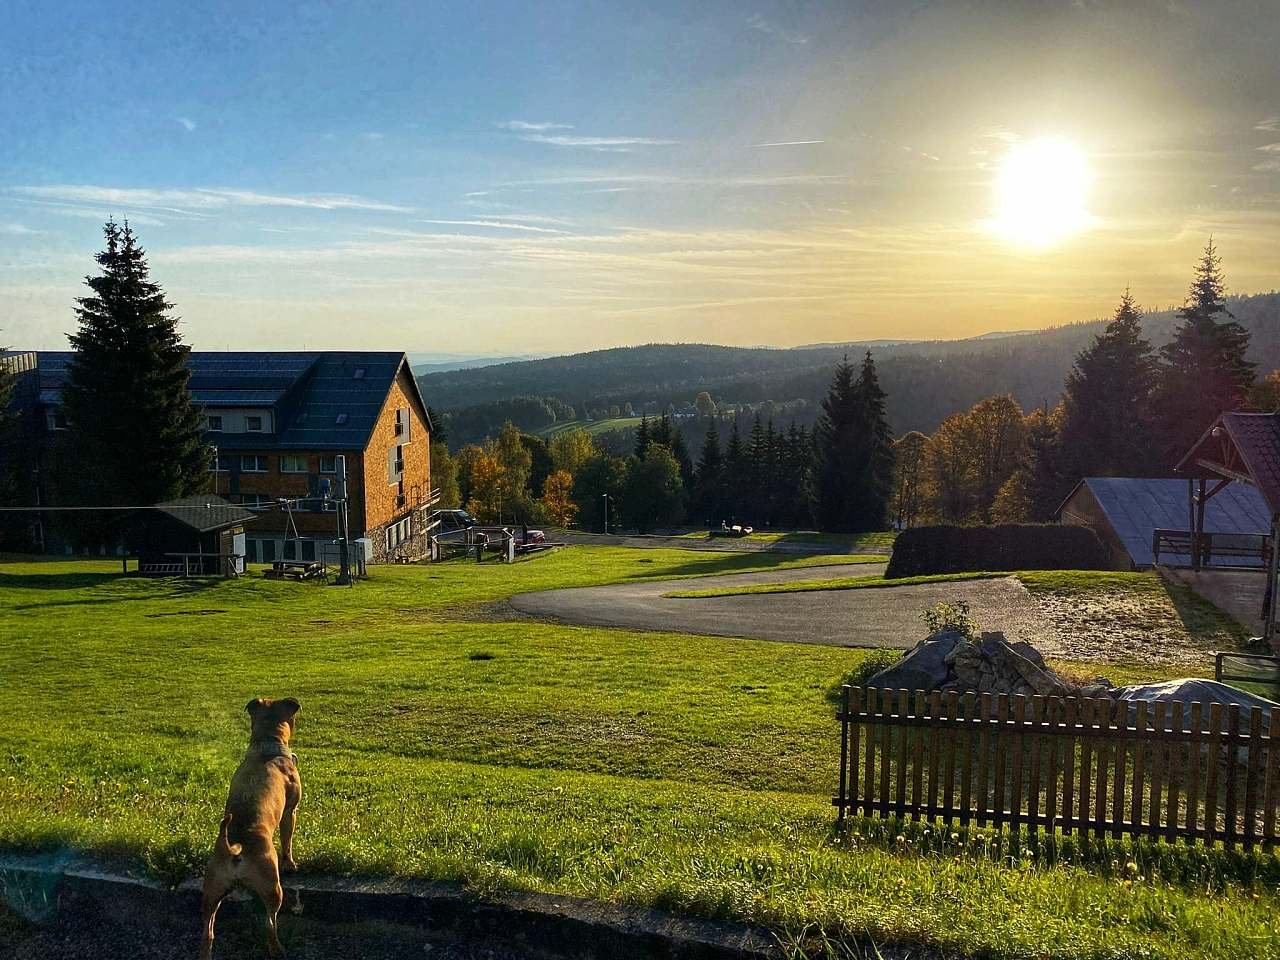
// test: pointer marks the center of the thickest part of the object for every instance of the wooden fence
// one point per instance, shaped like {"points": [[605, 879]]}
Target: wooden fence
{"points": [[1159, 770]]}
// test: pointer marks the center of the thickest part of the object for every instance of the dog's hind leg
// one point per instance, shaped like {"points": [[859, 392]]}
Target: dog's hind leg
{"points": [[215, 890], [287, 822], [265, 882]]}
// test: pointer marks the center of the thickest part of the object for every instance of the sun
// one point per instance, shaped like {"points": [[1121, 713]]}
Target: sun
{"points": [[1041, 193]]}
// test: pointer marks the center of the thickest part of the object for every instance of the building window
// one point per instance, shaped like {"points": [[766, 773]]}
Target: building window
{"points": [[340, 419], [253, 424], [213, 423], [328, 464], [359, 374], [219, 464], [257, 501], [253, 463], [293, 464], [57, 420]]}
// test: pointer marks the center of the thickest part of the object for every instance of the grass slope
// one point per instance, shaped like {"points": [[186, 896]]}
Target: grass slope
{"points": [[438, 739], [591, 427], [846, 541]]}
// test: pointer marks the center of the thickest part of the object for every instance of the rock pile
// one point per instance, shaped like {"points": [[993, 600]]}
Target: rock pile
{"points": [[948, 661]]}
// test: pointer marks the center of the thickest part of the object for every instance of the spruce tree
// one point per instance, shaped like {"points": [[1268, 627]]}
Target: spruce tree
{"points": [[135, 427], [1107, 401], [876, 482], [709, 476], [1204, 372], [736, 464], [642, 437], [680, 450], [839, 443]]}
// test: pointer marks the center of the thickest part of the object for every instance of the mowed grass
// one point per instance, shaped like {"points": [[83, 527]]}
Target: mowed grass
{"points": [[439, 739], [882, 540]]}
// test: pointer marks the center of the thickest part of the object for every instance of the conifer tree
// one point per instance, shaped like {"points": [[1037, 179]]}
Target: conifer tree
{"points": [[680, 450], [642, 437], [735, 468], [1107, 401], [1204, 372], [838, 437], [709, 477], [126, 396], [876, 480]]}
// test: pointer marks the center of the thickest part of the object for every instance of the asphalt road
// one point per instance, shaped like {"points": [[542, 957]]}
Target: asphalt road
{"points": [[882, 617]]}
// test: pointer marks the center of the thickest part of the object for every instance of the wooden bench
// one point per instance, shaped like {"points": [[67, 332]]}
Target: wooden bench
{"points": [[297, 570]]}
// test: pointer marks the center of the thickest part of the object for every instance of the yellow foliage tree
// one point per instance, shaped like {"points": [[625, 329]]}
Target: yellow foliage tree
{"points": [[557, 498]]}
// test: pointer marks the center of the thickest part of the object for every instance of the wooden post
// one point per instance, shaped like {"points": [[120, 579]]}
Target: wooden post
{"points": [[1200, 526], [1191, 519], [844, 751], [1269, 601]]}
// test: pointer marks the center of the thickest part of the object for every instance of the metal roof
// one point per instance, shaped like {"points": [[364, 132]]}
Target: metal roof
{"points": [[1136, 507], [326, 400], [204, 512]]}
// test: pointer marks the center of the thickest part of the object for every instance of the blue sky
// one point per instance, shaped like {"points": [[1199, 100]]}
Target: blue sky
{"points": [[504, 178]]}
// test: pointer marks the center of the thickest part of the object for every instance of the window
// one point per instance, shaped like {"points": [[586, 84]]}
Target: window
{"points": [[359, 374], [253, 424], [340, 419], [328, 464], [253, 463], [293, 464], [220, 465], [57, 420], [257, 501], [213, 423]]}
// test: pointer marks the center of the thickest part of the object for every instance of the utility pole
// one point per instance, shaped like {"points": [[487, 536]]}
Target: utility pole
{"points": [[340, 501]]}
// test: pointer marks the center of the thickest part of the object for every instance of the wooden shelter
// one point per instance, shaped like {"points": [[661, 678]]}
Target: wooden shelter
{"points": [[1238, 447], [201, 535]]}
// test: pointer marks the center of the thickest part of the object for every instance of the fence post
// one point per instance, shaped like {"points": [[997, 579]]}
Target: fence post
{"points": [[844, 750]]}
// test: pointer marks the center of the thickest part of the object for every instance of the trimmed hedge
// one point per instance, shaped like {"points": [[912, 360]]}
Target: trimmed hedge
{"points": [[1011, 546]]}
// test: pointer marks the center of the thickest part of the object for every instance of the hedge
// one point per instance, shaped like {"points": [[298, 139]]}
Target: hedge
{"points": [[1026, 546]]}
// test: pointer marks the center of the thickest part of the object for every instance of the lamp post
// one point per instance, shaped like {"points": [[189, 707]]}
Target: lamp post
{"points": [[605, 497]]}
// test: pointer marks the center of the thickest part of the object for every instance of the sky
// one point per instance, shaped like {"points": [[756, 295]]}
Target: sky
{"points": [[529, 178]]}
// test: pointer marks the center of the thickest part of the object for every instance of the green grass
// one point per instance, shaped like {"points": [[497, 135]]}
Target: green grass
{"points": [[870, 582], [591, 427], [879, 540], [441, 739]]}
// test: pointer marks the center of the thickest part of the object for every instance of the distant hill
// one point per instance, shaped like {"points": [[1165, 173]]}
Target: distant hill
{"points": [[424, 363], [926, 380]]}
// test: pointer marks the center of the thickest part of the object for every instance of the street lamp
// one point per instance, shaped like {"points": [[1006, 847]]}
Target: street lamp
{"points": [[605, 497]]}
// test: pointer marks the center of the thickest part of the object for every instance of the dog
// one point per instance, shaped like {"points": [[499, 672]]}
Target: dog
{"points": [[265, 792]]}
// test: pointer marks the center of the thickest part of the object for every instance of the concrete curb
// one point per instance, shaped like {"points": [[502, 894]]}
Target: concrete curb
{"points": [[539, 924]]}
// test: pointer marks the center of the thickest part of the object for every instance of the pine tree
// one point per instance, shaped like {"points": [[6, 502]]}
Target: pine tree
{"points": [[736, 464], [876, 481], [126, 397], [1205, 372], [642, 437], [680, 450], [1107, 401], [756, 479], [839, 442], [709, 477]]}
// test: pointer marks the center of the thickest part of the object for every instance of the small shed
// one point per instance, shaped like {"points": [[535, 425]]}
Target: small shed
{"points": [[1127, 513], [193, 536]]}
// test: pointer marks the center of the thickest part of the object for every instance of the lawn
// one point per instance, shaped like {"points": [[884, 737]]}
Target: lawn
{"points": [[882, 540], [591, 427], [441, 738]]}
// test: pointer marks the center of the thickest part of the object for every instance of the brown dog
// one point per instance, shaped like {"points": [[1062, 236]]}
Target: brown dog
{"points": [[265, 791]]}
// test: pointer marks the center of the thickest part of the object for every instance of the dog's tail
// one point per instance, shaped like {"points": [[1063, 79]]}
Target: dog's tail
{"points": [[224, 844]]}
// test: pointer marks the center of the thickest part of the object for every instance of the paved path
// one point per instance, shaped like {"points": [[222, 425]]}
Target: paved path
{"points": [[881, 617]]}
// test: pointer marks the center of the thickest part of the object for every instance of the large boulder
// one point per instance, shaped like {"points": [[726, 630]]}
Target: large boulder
{"points": [[923, 668], [1194, 690]]}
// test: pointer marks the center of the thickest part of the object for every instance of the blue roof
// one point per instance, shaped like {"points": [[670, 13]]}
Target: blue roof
{"points": [[322, 399], [1136, 507]]}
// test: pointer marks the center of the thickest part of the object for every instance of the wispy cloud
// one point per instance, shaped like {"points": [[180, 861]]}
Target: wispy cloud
{"points": [[16, 229], [1270, 125], [1267, 166], [494, 225], [524, 126], [789, 143], [597, 143], [762, 25], [198, 201], [186, 123], [1270, 148], [373, 136]]}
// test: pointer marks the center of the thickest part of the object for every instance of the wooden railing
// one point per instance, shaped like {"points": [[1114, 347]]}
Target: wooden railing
{"points": [[1159, 770], [1174, 547]]}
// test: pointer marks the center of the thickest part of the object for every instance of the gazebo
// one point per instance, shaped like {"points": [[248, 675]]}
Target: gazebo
{"points": [[1241, 447]]}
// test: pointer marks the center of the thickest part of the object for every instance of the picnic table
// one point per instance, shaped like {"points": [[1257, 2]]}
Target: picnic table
{"points": [[297, 570]]}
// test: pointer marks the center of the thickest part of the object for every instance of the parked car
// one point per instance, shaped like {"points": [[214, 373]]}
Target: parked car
{"points": [[453, 519]]}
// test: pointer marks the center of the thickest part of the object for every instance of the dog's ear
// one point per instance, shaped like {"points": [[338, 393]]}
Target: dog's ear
{"points": [[288, 706], [253, 706]]}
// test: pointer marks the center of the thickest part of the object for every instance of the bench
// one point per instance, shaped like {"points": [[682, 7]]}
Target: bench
{"points": [[297, 570]]}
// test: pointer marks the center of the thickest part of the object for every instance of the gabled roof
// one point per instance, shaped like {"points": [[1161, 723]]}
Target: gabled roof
{"points": [[322, 399], [1240, 446], [204, 512], [1136, 507]]}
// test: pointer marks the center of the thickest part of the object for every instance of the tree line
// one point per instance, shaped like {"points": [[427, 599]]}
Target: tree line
{"points": [[1127, 409]]}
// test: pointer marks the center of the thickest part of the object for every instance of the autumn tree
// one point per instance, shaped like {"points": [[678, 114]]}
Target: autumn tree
{"points": [[571, 449], [1204, 370], [444, 474], [654, 493], [948, 471], [1107, 400], [485, 482], [908, 477], [994, 435], [557, 498], [705, 406]]}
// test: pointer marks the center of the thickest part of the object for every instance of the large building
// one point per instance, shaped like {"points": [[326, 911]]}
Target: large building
{"points": [[278, 423]]}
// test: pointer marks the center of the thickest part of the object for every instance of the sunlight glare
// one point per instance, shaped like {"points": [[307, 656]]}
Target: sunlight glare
{"points": [[1040, 193]]}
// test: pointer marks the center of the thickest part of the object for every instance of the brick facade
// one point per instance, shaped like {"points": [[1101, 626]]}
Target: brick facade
{"points": [[394, 498]]}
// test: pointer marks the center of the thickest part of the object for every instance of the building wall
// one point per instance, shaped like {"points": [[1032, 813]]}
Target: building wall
{"points": [[394, 501], [1082, 509], [310, 518]]}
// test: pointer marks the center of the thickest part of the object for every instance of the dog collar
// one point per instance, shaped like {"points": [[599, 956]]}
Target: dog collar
{"points": [[270, 749]]}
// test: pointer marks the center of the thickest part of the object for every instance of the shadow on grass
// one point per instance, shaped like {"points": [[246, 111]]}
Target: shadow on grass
{"points": [[759, 561], [56, 581], [1203, 621], [151, 589]]}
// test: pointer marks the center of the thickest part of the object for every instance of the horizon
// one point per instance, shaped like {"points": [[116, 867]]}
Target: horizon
{"points": [[567, 179]]}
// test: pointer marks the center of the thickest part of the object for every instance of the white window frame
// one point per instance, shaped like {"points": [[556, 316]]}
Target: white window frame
{"points": [[284, 457], [256, 458], [333, 464]]}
